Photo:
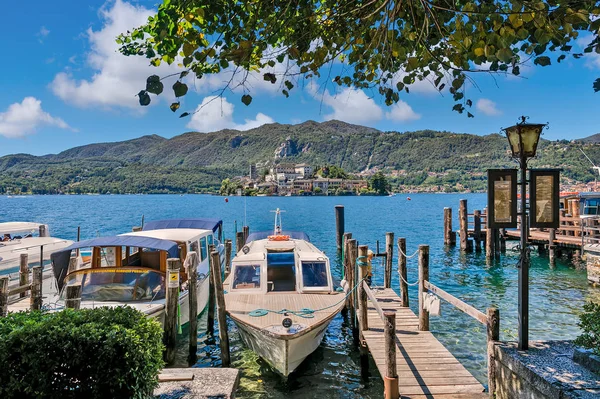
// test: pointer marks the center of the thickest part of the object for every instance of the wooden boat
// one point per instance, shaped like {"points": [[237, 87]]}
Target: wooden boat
{"points": [[18, 238], [281, 296], [130, 269]]}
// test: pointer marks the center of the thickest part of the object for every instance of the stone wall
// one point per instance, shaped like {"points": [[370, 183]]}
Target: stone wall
{"points": [[592, 260]]}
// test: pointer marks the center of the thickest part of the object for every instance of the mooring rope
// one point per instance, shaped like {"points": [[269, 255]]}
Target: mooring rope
{"points": [[306, 313], [405, 255]]}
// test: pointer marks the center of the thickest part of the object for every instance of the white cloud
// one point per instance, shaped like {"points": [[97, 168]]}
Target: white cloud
{"points": [[216, 113], [592, 60], [402, 112], [117, 78], [21, 119], [43, 32], [487, 107], [352, 106]]}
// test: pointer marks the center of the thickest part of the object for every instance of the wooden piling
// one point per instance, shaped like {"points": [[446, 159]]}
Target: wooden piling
{"points": [[23, 273], [192, 273], [502, 234], [210, 317], [351, 278], [73, 263], [362, 300], [489, 242], [552, 246], [423, 276], [35, 299], [239, 241], [493, 335], [227, 257], [339, 225], [402, 271], [463, 225], [172, 300], [43, 230], [246, 231], [41, 255], [477, 229], [390, 380], [73, 297], [389, 257], [3, 296], [345, 269], [221, 312], [496, 235], [448, 233]]}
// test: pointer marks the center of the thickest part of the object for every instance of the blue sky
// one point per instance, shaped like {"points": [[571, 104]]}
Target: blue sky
{"points": [[64, 84]]}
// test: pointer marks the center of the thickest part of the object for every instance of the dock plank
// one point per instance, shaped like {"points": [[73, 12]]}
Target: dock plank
{"points": [[426, 369]]}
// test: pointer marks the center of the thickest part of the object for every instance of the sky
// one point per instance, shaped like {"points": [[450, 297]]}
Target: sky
{"points": [[64, 84]]}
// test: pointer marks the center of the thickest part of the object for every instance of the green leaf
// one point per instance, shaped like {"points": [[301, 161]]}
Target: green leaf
{"points": [[183, 74], [246, 99], [184, 115], [504, 55], [270, 77], [144, 98], [290, 86], [180, 89], [154, 85], [470, 115], [543, 61], [597, 85], [175, 106]]}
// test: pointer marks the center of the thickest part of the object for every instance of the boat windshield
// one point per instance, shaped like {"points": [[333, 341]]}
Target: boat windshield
{"points": [[314, 274], [246, 276], [121, 284]]}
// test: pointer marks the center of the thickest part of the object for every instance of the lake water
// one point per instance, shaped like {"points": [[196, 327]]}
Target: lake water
{"points": [[333, 371]]}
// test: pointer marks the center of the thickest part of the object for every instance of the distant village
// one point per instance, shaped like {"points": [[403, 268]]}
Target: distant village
{"points": [[294, 179]]}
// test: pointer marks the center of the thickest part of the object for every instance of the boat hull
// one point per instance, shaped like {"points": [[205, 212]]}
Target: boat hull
{"points": [[284, 353]]}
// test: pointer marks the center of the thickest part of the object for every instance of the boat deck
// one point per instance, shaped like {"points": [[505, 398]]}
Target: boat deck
{"points": [[426, 369]]}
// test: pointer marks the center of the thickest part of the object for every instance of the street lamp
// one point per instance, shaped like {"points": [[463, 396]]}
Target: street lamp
{"points": [[523, 139]]}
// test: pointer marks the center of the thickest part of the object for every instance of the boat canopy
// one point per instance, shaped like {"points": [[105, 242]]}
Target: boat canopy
{"points": [[262, 235], [19, 227], [60, 259], [202, 223]]}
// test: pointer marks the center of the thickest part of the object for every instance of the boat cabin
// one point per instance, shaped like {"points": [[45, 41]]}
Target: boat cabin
{"points": [[121, 268], [280, 266]]}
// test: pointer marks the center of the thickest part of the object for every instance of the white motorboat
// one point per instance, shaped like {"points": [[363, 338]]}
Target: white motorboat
{"points": [[17, 238], [281, 296]]}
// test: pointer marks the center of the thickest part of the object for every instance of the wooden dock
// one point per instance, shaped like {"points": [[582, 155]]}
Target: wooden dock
{"points": [[426, 369]]}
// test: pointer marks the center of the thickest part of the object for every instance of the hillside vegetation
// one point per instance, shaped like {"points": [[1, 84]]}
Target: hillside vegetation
{"points": [[198, 162]]}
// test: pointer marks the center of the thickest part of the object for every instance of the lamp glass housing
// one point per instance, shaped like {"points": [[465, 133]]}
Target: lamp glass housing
{"points": [[524, 138]]}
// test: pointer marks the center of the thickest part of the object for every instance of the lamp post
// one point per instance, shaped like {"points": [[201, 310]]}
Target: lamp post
{"points": [[523, 139]]}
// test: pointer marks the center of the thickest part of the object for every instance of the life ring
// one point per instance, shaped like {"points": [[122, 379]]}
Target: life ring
{"points": [[279, 237]]}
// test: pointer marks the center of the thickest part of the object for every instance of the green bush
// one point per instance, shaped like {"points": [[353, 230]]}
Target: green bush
{"points": [[90, 353], [589, 322]]}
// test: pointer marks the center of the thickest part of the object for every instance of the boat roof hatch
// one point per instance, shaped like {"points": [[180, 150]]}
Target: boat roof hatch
{"points": [[183, 235]]}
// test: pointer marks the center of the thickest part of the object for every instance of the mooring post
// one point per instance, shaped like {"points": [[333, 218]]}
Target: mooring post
{"points": [[493, 335], [390, 380], [78, 238], [347, 236], [227, 257], [35, 299], [389, 257], [23, 273], [221, 312], [352, 255], [463, 225], [3, 296], [489, 242], [73, 297], [42, 256], [497, 243], [43, 230], [345, 271], [477, 229], [448, 233], [210, 317], [423, 276], [239, 241], [502, 233], [172, 300], [339, 225], [552, 246], [402, 271], [192, 273], [246, 230], [363, 319]]}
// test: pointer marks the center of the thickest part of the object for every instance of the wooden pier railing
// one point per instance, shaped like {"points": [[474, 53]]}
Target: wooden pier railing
{"points": [[34, 287]]}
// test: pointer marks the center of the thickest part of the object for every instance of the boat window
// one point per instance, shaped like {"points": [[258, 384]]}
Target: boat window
{"points": [[203, 250], [118, 285], [246, 276], [281, 271], [314, 274], [591, 207], [210, 239]]}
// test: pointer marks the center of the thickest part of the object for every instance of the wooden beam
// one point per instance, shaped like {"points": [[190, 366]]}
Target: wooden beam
{"points": [[3, 296], [171, 302], [73, 296], [460, 305], [24, 272], [339, 225], [423, 278], [402, 271], [193, 302], [389, 257], [215, 266], [493, 335], [390, 379], [35, 299]]}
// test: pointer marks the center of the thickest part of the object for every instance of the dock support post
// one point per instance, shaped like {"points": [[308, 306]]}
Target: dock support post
{"points": [[463, 225], [423, 276], [339, 225], [228, 245], [449, 235], [210, 317], [552, 246], [502, 240], [493, 335], [192, 273], [23, 272], [35, 299], [43, 230], [246, 231], [402, 271], [496, 243], [73, 298], [42, 256], [345, 270], [352, 255], [489, 242], [390, 380], [347, 236], [3, 296], [389, 257], [239, 241], [170, 324], [215, 266], [363, 319], [477, 229]]}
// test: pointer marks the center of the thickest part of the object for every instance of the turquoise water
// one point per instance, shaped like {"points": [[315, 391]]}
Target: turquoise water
{"points": [[333, 371]]}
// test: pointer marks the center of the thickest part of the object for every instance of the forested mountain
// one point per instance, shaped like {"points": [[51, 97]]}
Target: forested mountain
{"points": [[197, 162]]}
